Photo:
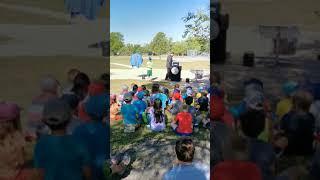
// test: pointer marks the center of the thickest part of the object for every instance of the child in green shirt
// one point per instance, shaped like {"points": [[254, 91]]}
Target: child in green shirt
{"points": [[149, 67]]}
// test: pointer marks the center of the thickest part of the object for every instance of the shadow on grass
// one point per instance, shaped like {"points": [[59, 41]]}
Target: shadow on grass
{"points": [[152, 153]]}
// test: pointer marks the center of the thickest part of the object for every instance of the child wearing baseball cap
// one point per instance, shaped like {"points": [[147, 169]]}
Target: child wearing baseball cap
{"points": [[130, 114], [58, 155]]}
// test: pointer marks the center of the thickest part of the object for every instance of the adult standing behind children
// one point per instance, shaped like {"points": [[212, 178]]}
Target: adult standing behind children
{"points": [[169, 65]]}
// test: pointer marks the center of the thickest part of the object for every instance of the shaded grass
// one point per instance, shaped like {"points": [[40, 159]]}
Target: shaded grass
{"points": [[8, 16], [120, 140]]}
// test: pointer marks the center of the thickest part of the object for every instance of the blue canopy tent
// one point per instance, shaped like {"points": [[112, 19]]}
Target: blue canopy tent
{"points": [[136, 60]]}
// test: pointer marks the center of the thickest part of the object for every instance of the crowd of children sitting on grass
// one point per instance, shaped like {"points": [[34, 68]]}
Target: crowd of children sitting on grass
{"points": [[68, 127], [262, 140], [183, 108]]}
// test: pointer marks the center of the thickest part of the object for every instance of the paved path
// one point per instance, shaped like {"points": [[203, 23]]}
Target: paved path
{"points": [[157, 73]]}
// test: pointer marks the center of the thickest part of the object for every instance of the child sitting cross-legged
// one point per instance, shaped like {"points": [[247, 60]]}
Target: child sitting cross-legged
{"points": [[182, 124], [130, 114], [140, 104], [156, 116], [58, 155]]}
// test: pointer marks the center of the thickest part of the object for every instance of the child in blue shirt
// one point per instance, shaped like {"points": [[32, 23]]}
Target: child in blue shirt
{"points": [[140, 104], [58, 155], [185, 168], [95, 134], [130, 114]]}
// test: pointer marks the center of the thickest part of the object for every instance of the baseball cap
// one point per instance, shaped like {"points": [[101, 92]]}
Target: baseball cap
{"points": [[127, 97], [9, 111], [56, 112], [255, 100]]}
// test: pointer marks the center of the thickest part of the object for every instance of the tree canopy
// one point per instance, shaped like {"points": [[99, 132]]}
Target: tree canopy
{"points": [[160, 44], [197, 27], [116, 42], [196, 37]]}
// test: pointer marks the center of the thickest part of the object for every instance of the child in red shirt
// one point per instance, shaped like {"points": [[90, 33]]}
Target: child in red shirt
{"points": [[236, 164], [182, 125]]}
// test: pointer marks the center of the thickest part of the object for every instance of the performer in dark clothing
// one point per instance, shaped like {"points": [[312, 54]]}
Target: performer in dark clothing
{"points": [[169, 65]]}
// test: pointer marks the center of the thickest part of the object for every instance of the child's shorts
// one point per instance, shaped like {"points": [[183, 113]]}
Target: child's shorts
{"points": [[149, 72]]}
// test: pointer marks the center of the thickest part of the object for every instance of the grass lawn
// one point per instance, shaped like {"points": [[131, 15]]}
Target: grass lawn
{"points": [[8, 16], [120, 140], [157, 63]]}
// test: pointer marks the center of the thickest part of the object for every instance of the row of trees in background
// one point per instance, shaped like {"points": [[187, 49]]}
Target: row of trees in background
{"points": [[196, 35], [160, 44]]}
